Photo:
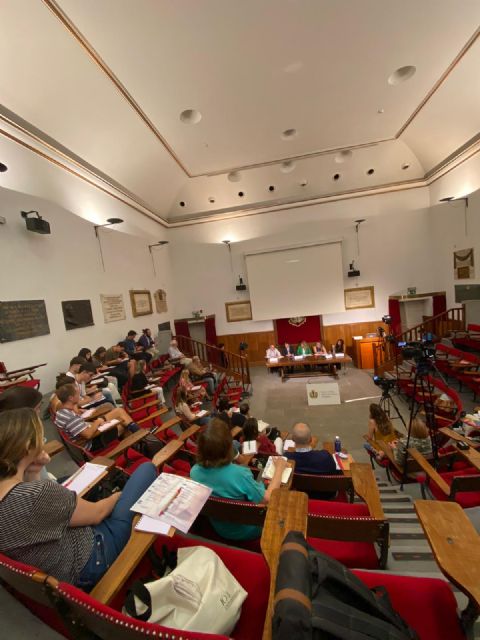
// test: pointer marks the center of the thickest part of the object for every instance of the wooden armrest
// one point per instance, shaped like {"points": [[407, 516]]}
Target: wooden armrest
{"points": [[127, 442], [386, 448], [287, 511], [455, 544], [366, 487], [99, 412], [236, 431], [168, 451], [143, 406], [155, 414], [188, 433], [430, 471], [170, 423], [53, 447], [473, 373]]}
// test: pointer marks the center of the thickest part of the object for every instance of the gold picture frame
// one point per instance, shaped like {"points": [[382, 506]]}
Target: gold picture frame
{"points": [[141, 301], [359, 298], [238, 311]]}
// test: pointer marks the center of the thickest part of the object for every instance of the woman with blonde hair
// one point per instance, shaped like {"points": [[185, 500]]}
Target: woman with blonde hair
{"points": [[194, 392], [46, 525], [419, 440], [139, 383]]}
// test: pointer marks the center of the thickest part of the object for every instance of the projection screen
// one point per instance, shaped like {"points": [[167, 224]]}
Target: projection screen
{"points": [[296, 281]]}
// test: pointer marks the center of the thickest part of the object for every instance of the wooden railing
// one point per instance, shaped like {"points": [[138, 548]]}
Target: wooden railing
{"points": [[233, 364], [387, 357]]}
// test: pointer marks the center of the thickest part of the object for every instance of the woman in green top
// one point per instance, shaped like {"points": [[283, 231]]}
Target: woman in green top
{"points": [[303, 349], [215, 468]]}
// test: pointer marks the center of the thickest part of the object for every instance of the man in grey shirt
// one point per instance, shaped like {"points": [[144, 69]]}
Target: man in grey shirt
{"points": [[174, 353]]}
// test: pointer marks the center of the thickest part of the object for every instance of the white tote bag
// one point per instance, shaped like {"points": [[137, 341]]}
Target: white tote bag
{"points": [[200, 594]]}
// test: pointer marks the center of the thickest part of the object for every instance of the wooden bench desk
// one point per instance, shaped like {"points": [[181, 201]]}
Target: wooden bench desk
{"points": [[365, 487], [310, 361]]}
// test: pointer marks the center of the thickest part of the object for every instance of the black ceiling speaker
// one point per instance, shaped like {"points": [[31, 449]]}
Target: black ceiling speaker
{"points": [[38, 224], [241, 286]]}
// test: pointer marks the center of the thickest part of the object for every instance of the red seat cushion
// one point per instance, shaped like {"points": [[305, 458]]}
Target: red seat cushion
{"points": [[465, 499], [130, 460], [426, 604]]}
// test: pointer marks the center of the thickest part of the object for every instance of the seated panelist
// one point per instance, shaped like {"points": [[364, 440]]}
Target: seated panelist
{"points": [[45, 524], [303, 349], [287, 350], [319, 348], [273, 352]]}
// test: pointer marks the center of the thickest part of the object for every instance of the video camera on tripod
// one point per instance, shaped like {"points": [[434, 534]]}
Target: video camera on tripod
{"points": [[422, 352], [385, 383]]}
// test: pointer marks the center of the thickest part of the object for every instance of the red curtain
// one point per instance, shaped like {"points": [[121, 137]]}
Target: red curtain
{"points": [[394, 312], [181, 328], [210, 331], [439, 304], [309, 330]]}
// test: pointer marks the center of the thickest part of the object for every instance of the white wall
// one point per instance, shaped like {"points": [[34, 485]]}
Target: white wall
{"points": [[66, 266], [394, 253]]}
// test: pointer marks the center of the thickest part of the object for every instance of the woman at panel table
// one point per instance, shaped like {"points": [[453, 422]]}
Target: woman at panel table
{"points": [[319, 347], [273, 352], [303, 349]]}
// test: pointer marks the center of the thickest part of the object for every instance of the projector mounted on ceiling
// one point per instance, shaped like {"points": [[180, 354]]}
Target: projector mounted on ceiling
{"points": [[38, 224], [353, 273], [241, 286]]}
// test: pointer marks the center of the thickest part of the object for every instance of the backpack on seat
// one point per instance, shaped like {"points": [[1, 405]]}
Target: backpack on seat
{"points": [[317, 598]]}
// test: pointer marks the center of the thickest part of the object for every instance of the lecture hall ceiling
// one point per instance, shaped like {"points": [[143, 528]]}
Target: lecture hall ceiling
{"points": [[203, 109]]}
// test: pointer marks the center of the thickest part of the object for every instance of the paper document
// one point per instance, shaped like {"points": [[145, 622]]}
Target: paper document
{"points": [[249, 447], [201, 413], [196, 388], [235, 409], [262, 425], [273, 359], [339, 355], [108, 425], [270, 470], [152, 525], [174, 500], [84, 477], [86, 414], [298, 357], [288, 444]]}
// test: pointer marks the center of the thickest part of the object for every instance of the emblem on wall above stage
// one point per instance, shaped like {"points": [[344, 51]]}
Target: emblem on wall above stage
{"points": [[297, 321]]}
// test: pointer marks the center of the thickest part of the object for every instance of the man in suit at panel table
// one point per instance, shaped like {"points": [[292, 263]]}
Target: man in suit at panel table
{"points": [[288, 352], [309, 460]]}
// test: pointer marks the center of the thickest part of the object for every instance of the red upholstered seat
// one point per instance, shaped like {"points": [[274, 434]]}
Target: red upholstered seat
{"points": [[426, 604], [351, 554], [465, 499]]}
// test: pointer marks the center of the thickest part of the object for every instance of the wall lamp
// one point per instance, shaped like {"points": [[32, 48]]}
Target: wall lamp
{"points": [[160, 243], [108, 223]]}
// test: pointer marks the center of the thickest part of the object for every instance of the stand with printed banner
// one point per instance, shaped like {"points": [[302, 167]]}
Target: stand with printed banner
{"points": [[326, 392]]}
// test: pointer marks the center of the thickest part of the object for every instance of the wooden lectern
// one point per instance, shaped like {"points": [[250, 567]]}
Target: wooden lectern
{"points": [[363, 352]]}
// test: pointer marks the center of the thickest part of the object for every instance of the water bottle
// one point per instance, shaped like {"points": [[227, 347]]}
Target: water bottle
{"points": [[338, 444]]}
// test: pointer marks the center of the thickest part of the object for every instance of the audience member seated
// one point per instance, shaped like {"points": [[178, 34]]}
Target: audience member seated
{"points": [[303, 349], [183, 410], [320, 348], [215, 469], [419, 440], [74, 367], [69, 420], [224, 411], [201, 374], [264, 444], [134, 351], [111, 381], [308, 460], [139, 383], [380, 428], [187, 384], [148, 343], [83, 379], [27, 398], [176, 355], [116, 360], [45, 524], [223, 355], [273, 352], [238, 417]]}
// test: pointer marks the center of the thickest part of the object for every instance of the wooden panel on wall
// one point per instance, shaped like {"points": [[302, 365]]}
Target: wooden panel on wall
{"points": [[331, 333], [258, 342]]}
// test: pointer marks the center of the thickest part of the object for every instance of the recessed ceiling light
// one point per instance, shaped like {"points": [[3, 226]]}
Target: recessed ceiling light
{"points": [[293, 67], [182, 203], [190, 116], [3, 167], [405, 166], [271, 188], [343, 156], [287, 166], [447, 199], [370, 172], [303, 183], [402, 74], [292, 261], [211, 199], [234, 176], [240, 194], [336, 176], [380, 111], [288, 134]]}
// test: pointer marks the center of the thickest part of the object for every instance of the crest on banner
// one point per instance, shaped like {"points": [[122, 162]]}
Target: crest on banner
{"points": [[297, 321]]}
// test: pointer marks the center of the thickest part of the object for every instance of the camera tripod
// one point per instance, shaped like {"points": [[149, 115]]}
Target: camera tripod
{"points": [[387, 403]]}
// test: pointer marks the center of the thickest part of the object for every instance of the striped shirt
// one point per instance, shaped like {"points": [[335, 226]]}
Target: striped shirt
{"points": [[34, 529], [72, 424]]}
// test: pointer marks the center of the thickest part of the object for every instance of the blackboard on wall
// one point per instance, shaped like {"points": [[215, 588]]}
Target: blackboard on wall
{"points": [[21, 319], [77, 314]]}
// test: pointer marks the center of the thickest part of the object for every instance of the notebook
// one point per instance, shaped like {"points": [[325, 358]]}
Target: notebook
{"points": [[270, 470]]}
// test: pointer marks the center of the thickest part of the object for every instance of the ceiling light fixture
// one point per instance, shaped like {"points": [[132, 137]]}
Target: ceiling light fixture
{"points": [[343, 156], [402, 74], [211, 199], [3, 167], [303, 183], [271, 188], [447, 199], [336, 176], [160, 243], [405, 166], [288, 134], [190, 116], [370, 172], [241, 194], [181, 203], [287, 166], [234, 176]]}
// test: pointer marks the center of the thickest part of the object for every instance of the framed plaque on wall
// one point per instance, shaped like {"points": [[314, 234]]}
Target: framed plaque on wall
{"points": [[238, 311], [141, 301], [359, 298]]}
